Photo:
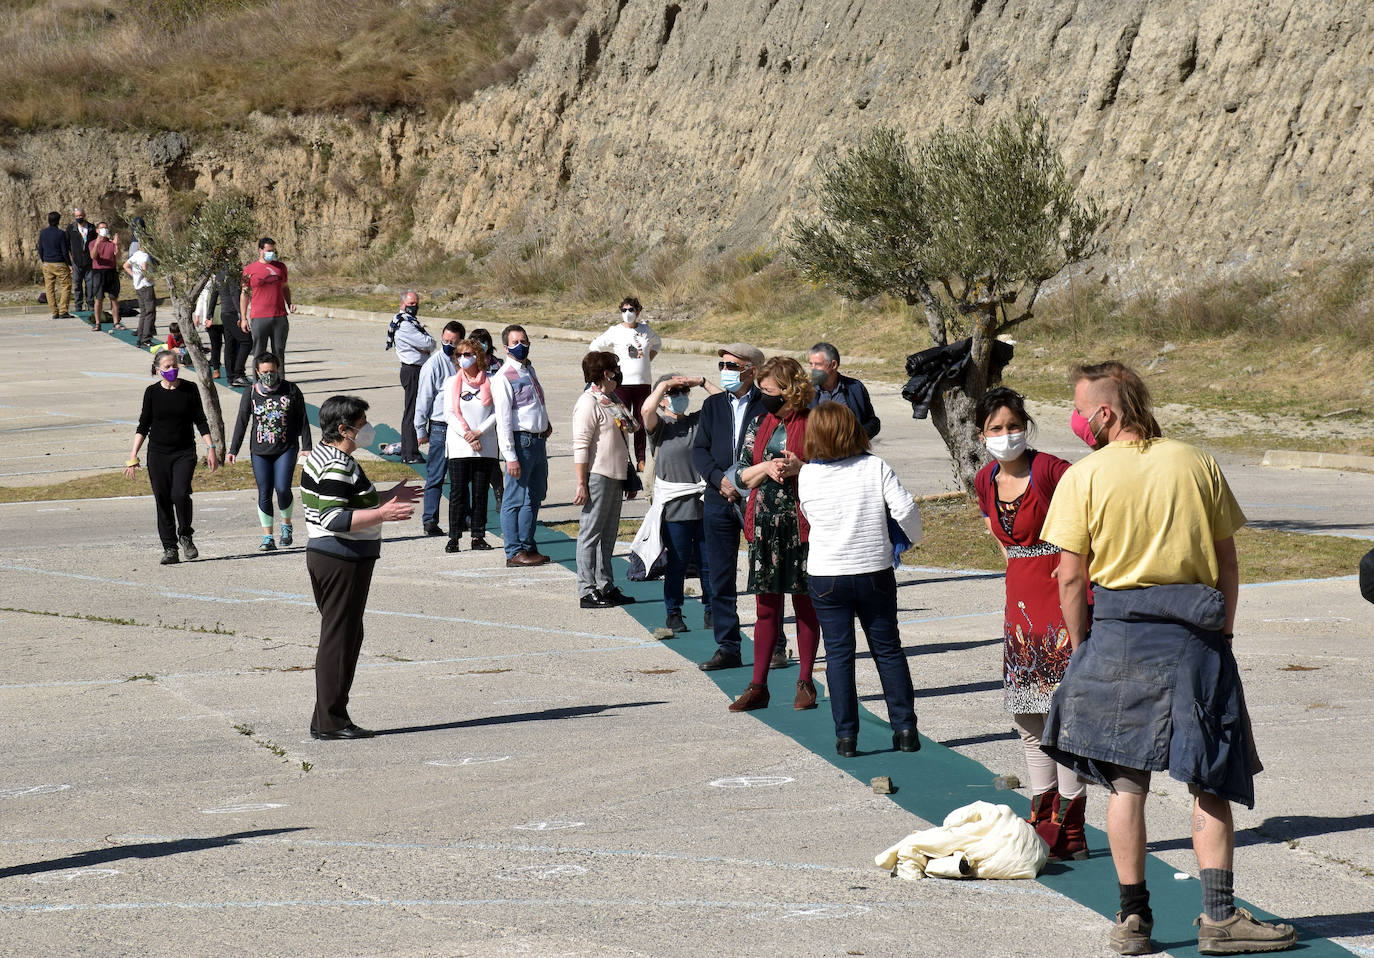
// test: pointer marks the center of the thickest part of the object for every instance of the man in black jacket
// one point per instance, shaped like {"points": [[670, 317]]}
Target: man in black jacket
{"points": [[79, 236], [715, 451], [224, 291]]}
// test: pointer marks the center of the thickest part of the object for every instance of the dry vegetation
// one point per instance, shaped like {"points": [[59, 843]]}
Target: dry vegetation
{"points": [[106, 62]]}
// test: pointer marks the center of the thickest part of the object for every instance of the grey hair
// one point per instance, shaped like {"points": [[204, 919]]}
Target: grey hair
{"points": [[664, 378], [832, 355]]}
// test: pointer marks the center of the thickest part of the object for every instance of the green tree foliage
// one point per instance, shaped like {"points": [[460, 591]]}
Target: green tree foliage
{"points": [[985, 215]]}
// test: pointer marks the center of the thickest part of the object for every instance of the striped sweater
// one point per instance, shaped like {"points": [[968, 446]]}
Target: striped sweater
{"points": [[333, 485]]}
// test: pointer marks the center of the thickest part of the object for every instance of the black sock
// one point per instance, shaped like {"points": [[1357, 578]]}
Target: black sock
{"points": [[1218, 894], [1135, 900]]}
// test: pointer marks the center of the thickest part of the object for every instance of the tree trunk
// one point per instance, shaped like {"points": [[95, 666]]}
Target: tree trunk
{"points": [[951, 412], [935, 316], [209, 396]]}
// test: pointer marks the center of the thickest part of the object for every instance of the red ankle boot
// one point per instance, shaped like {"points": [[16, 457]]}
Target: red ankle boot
{"points": [[1071, 842], [1045, 818]]}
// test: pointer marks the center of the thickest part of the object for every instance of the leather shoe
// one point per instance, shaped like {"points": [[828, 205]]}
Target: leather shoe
{"points": [[806, 695], [779, 659], [721, 660], [616, 597], [906, 740], [596, 600], [432, 529], [452, 546], [480, 545], [520, 560], [348, 731], [538, 557], [847, 747], [754, 697], [708, 620], [675, 622]]}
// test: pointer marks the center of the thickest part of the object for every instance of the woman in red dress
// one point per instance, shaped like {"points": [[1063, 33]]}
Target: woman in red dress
{"points": [[1014, 492]]}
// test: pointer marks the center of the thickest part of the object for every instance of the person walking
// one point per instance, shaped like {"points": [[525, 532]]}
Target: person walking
{"points": [[848, 496], [139, 267], [104, 275], [678, 489], [715, 454], [344, 515], [55, 254], [265, 301], [224, 293], [601, 464], [470, 413], [171, 410], [833, 386], [1151, 522], [272, 413], [522, 430], [431, 423], [413, 345], [79, 236], [1014, 492], [769, 463], [635, 345]]}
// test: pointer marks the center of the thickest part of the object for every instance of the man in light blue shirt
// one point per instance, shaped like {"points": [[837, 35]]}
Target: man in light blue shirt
{"points": [[431, 422], [413, 345]]}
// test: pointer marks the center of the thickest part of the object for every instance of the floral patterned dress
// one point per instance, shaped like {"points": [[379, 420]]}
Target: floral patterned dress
{"points": [[777, 554], [1036, 646]]}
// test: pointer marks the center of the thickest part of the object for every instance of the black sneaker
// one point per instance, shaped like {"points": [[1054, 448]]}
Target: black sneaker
{"points": [[170, 557], [616, 597], [452, 546], [595, 600], [675, 622], [188, 548]]}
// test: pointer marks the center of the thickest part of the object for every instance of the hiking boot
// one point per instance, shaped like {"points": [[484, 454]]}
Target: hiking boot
{"points": [[188, 548], [675, 622], [286, 536], [170, 557], [1241, 934], [1131, 936], [267, 545]]}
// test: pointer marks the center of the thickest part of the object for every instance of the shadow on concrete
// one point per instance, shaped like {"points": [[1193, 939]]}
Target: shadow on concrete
{"points": [[1282, 828], [114, 853], [1308, 526], [936, 580], [548, 715], [1333, 926], [992, 685], [979, 739]]}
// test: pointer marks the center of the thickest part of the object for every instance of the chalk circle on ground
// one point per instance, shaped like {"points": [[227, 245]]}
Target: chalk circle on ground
{"points": [[540, 872], [471, 760], [81, 875], [18, 790], [751, 781], [813, 912], [234, 809], [547, 826]]}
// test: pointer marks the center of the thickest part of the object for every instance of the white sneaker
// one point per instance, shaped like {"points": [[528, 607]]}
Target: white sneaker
{"points": [[391, 449]]}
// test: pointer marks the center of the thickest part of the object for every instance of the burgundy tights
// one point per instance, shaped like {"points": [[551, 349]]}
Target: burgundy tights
{"points": [[768, 631]]}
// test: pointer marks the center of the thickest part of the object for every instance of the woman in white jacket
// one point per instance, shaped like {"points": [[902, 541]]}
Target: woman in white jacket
{"points": [[847, 495], [470, 444]]}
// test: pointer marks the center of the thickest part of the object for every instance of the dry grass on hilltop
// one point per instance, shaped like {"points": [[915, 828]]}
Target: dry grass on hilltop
{"points": [[197, 64]]}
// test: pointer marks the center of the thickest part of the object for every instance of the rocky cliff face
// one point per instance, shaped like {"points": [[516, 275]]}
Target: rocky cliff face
{"points": [[1219, 135]]}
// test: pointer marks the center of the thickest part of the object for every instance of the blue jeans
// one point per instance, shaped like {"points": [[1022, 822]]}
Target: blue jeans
{"points": [[436, 465], [684, 541], [872, 597], [722, 529], [523, 497], [274, 473]]}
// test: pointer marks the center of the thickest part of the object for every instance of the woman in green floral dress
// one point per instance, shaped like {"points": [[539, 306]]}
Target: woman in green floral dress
{"points": [[769, 462]]}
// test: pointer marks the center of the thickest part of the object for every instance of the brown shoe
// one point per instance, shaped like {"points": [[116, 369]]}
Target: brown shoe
{"points": [[521, 560], [806, 695], [537, 557], [1131, 935], [754, 697], [1242, 933]]}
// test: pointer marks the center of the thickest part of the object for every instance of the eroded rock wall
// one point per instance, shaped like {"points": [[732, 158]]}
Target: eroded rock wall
{"points": [[1220, 135]]}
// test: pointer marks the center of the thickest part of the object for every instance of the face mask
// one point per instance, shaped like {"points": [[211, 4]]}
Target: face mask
{"points": [[772, 403], [104, 233], [365, 435], [81, 220], [1083, 428], [627, 316], [465, 362], [729, 380], [818, 377], [449, 348], [1006, 447], [518, 352], [169, 374], [268, 256], [617, 377], [269, 380], [679, 403], [411, 310]]}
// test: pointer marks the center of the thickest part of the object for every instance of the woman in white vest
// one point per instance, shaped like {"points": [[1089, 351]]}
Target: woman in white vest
{"points": [[471, 444]]}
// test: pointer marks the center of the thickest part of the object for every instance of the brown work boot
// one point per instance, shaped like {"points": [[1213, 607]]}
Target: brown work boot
{"points": [[754, 697], [1242, 934], [1131, 936]]}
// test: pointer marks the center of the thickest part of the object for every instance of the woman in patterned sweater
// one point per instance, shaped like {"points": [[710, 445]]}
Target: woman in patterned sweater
{"points": [[280, 432]]}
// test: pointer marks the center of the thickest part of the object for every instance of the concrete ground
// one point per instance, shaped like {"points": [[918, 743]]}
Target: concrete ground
{"points": [[553, 781]]}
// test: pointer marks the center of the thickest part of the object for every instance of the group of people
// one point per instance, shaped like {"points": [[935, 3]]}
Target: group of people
{"points": [[81, 267], [1121, 581]]}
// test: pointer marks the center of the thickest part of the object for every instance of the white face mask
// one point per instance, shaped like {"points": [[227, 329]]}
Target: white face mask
{"points": [[1006, 447], [627, 316], [364, 436], [104, 233]]}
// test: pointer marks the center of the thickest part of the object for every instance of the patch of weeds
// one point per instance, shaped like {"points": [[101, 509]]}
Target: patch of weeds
{"points": [[141, 678], [106, 619], [307, 766], [486, 671], [243, 730], [392, 658], [217, 629], [1294, 667], [272, 747], [655, 671]]}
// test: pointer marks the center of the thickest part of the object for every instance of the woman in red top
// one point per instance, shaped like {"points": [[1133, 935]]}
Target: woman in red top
{"points": [[1014, 492]]}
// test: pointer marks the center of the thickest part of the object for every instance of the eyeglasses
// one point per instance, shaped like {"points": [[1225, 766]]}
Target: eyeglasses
{"points": [[725, 364], [469, 396], [468, 355]]}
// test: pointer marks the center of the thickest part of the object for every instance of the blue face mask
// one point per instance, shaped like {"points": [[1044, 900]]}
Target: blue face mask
{"points": [[268, 255], [518, 352], [448, 348], [729, 380], [679, 403]]}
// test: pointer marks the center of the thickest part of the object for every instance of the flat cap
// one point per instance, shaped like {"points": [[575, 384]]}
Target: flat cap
{"points": [[743, 351]]}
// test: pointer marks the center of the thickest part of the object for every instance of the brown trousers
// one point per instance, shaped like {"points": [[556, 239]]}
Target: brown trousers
{"points": [[57, 283]]}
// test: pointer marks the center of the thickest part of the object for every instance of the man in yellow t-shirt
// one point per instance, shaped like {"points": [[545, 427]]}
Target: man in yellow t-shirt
{"points": [[1150, 522]]}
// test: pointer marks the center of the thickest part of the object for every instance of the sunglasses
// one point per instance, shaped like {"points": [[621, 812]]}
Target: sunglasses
{"points": [[469, 396], [725, 364], [679, 392], [468, 355]]}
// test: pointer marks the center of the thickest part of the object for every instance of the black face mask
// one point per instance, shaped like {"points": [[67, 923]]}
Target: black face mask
{"points": [[771, 403], [412, 310]]}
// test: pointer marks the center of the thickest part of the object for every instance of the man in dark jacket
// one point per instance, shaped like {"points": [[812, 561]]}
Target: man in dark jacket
{"points": [[56, 257], [832, 386], [79, 236], [224, 292], [715, 450]]}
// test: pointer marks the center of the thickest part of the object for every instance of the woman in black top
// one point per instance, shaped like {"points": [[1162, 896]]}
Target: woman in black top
{"points": [[171, 408], [276, 409]]}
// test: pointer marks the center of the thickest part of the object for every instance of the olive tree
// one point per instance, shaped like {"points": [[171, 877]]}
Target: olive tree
{"points": [[970, 227], [188, 256]]}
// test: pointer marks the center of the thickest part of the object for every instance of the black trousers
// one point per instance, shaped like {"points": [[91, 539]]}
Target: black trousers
{"points": [[216, 345], [469, 479], [237, 346], [170, 474], [341, 587], [410, 382]]}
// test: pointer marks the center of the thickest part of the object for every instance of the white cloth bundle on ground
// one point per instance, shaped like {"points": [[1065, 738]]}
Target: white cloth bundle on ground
{"points": [[981, 840]]}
